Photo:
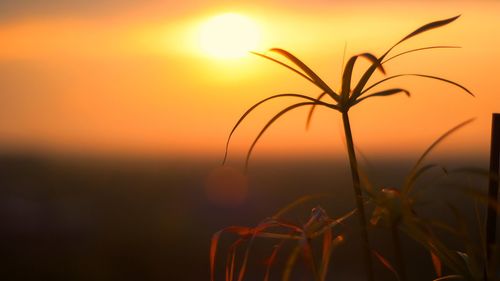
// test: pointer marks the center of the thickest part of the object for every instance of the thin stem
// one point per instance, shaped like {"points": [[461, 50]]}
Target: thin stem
{"points": [[359, 197], [491, 217], [398, 251]]}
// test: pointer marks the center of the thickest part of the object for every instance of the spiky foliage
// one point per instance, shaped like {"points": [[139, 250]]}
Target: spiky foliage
{"points": [[318, 226], [396, 209], [348, 95]]}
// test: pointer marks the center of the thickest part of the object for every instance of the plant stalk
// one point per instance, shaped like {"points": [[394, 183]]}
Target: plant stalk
{"points": [[356, 184], [491, 217]]}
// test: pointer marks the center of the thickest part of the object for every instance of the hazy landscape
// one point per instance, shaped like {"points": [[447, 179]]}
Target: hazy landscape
{"points": [[150, 219]]}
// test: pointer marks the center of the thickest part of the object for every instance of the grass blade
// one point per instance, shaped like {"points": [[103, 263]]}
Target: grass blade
{"points": [[276, 117], [326, 252], [421, 233], [271, 260], [386, 264], [436, 263], [427, 27], [407, 188], [419, 75], [255, 231], [231, 259], [241, 231], [257, 105], [410, 180], [384, 93], [420, 49], [308, 257], [290, 263]]}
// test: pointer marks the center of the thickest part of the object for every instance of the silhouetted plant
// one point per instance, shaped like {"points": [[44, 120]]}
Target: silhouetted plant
{"points": [[349, 95]]}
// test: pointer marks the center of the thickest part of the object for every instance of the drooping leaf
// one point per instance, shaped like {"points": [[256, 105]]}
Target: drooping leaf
{"points": [[287, 66], [276, 117], [419, 75], [410, 180], [318, 81], [311, 111], [384, 93], [257, 105], [419, 49]]}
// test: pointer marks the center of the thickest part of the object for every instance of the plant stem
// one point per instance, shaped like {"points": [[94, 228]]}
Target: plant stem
{"points": [[356, 184], [398, 251], [491, 217]]}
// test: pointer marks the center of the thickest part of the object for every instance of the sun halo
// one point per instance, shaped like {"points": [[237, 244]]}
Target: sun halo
{"points": [[228, 36]]}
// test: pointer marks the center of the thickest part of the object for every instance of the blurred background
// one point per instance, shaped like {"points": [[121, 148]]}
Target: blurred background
{"points": [[114, 120]]}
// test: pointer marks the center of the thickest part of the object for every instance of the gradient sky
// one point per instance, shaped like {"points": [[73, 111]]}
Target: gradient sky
{"points": [[128, 76]]}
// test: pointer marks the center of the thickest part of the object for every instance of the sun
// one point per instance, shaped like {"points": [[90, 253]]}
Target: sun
{"points": [[229, 36]]}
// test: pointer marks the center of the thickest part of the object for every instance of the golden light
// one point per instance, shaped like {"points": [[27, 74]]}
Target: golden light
{"points": [[229, 36]]}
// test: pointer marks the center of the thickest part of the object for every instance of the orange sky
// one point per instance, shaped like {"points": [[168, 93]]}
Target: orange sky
{"points": [[131, 78]]}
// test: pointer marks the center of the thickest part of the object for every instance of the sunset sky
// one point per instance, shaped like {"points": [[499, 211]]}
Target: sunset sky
{"points": [[131, 76]]}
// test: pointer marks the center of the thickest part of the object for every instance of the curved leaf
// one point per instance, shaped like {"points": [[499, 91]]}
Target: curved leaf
{"points": [[347, 74], [427, 27], [311, 111], [414, 170], [410, 180], [418, 75], [255, 106], [276, 117], [384, 93], [287, 66], [368, 73], [420, 49]]}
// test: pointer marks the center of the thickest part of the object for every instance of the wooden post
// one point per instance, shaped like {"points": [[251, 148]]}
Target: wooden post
{"points": [[491, 219]]}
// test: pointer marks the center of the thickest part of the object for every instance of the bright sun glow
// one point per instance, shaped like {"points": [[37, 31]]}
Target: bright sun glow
{"points": [[229, 36]]}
